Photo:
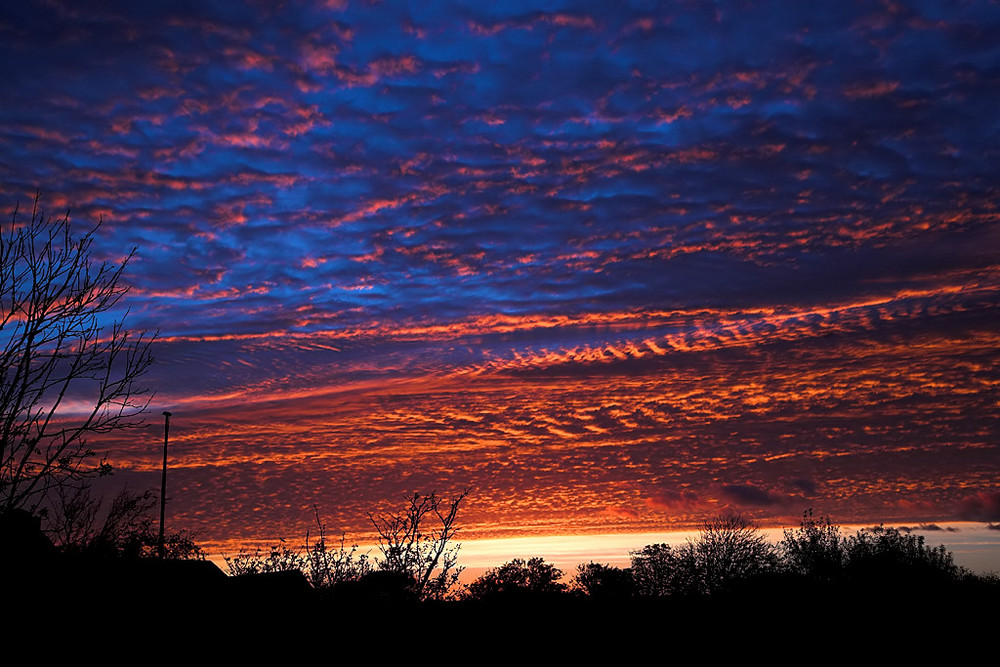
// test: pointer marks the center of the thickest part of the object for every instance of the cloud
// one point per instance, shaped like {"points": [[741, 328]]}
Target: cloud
{"points": [[622, 234], [675, 501], [926, 527], [626, 513], [807, 486], [982, 506], [750, 495]]}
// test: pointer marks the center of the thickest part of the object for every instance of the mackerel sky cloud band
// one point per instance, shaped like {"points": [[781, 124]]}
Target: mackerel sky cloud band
{"points": [[617, 266]]}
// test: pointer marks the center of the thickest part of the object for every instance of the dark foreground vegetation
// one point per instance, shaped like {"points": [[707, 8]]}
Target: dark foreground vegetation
{"points": [[729, 580]]}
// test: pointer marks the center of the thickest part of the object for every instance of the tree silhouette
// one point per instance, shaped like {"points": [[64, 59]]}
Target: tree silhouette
{"points": [[728, 550], [517, 578], [731, 549], [818, 551], [603, 581], [60, 344], [418, 542], [79, 524], [659, 570], [815, 549], [881, 553]]}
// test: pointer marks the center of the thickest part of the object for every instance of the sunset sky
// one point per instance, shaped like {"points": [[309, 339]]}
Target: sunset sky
{"points": [[614, 266]]}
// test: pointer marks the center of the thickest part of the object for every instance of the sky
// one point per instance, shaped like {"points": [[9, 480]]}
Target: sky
{"points": [[616, 267]]}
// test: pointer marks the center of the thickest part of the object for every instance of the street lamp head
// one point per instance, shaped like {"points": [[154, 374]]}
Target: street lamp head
{"points": [[166, 414]]}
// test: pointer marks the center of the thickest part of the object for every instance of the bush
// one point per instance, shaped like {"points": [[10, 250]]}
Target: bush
{"points": [[603, 581], [418, 556], [517, 578], [327, 567], [279, 558], [818, 551], [324, 566], [78, 524], [890, 554], [815, 549]]}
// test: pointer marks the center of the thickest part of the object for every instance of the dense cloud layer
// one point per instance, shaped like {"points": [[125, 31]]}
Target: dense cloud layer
{"points": [[638, 260]]}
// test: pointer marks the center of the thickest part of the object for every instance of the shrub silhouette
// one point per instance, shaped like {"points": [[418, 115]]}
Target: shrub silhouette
{"points": [[730, 562], [889, 554], [603, 581], [278, 558], [328, 567], [815, 549], [517, 578], [324, 565], [78, 524], [418, 557]]}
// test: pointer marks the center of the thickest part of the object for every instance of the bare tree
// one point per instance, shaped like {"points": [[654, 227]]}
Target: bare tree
{"points": [[76, 523], [731, 549], [69, 366], [79, 523], [424, 552]]}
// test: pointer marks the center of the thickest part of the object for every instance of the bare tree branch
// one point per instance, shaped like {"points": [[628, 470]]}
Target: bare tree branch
{"points": [[68, 368], [424, 552]]}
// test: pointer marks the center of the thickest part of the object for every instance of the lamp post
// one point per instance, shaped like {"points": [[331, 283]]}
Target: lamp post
{"points": [[163, 481]]}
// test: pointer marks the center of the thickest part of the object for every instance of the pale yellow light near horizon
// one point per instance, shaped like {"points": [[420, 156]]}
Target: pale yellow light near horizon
{"points": [[974, 545]]}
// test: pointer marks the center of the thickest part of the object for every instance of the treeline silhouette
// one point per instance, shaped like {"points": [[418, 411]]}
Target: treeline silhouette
{"points": [[730, 557], [730, 573]]}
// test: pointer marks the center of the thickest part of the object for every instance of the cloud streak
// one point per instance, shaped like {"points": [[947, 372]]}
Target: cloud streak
{"points": [[616, 266]]}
